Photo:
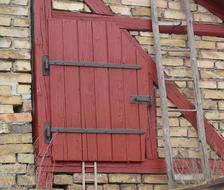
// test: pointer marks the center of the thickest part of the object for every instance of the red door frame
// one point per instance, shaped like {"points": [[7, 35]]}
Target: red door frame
{"points": [[45, 166]]}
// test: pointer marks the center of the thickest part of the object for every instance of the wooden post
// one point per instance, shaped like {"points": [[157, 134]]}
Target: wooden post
{"points": [[198, 103], [163, 97]]}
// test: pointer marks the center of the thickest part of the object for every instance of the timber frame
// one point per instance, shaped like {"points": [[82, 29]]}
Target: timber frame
{"points": [[45, 167]]}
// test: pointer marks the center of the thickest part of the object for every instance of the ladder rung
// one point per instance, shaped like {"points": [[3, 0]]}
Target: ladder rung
{"points": [[182, 110], [179, 79], [176, 49], [170, 23]]}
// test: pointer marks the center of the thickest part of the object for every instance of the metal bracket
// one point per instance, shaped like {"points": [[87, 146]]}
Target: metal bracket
{"points": [[46, 65], [49, 130], [141, 100], [47, 133]]}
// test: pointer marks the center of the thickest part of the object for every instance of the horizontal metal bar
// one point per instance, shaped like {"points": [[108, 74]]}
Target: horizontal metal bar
{"points": [[95, 65], [97, 131]]}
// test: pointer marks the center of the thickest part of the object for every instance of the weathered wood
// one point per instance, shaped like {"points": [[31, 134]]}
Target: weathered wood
{"points": [[198, 102], [163, 97], [97, 6]]}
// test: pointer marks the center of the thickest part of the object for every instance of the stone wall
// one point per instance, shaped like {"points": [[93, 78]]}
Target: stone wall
{"points": [[16, 149]]}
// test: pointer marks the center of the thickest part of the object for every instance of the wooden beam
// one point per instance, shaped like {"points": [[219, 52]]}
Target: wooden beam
{"points": [[139, 24], [98, 7]]}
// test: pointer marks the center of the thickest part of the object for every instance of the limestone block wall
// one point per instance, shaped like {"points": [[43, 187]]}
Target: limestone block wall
{"points": [[16, 144]]}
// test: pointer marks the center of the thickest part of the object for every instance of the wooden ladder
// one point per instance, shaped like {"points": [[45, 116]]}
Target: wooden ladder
{"points": [[163, 95]]}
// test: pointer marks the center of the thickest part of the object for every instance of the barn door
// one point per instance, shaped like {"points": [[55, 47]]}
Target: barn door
{"points": [[99, 93]]}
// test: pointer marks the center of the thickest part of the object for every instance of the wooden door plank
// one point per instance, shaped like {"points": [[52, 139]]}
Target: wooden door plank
{"points": [[72, 93], [57, 88], [97, 6], [87, 85], [131, 110], [116, 92], [104, 146]]}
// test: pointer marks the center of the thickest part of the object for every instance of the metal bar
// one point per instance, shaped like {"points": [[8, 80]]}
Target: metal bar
{"points": [[140, 99], [83, 176], [198, 102], [163, 97], [95, 176], [182, 110], [97, 131]]}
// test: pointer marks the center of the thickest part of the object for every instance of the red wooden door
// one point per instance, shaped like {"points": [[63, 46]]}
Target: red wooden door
{"points": [[96, 98]]}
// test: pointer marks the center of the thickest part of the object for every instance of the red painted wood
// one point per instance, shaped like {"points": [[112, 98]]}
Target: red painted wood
{"points": [[57, 89], [116, 92], [72, 92], [87, 85], [214, 6], [97, 6], [144, 24], [104, 144], [132, 121]]}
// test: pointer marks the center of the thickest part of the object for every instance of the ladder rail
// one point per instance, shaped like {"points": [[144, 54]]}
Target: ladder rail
{"points": [[198, 101], [163, 97]]}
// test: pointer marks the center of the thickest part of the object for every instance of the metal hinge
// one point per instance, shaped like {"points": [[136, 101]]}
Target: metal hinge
{"points": [[48, 130], [141, 100], [47, 63]]}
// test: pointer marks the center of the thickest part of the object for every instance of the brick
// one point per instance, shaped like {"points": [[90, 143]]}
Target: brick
{"points": [[145, 187], [205, 54], [6, 109], [74, 187], [111, 187], [128, 187], [122, 10], [14, 100], [102, 178], [13, 168], [5, 43], [184, 72], [21, 128], [124, 178], [140, 11], [207, 84], [209, 104], [4, 2], [68, 5], [8, 159], [212, 38], [219, 64], [21, 65], [24, 89], [175, 132], [205, 64], [181, 142], [154, 179], [173, 61], [26, 158], [14, 10], [24, 22], [214, 115], [14, 32], [213, 94], [63, 179], [16, 117], [4, 128], [136, 2], [7, 181], [5, 65], [16, 77], [15, 138], [27, 106], [199, 17], [205, 45], [26, 180], [161, 187], [192, 132], [217, 74], [174, 14], [5, 21], [22, 44], [15, 148], [173, 42], [145, 40], [91, 187], [14, 54], [19, 2]]}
